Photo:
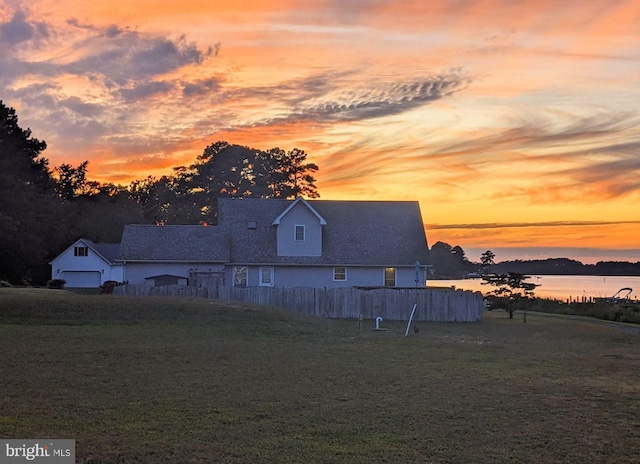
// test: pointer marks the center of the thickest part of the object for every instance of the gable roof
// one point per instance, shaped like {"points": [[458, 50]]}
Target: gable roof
{"points": [[322, 220], [387, 233], [107, 251], [177, 243]]}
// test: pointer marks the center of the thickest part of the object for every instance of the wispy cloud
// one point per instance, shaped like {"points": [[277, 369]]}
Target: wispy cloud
{"points": [[19, 29], [202, 87], [131, 56], [322, 99], [385, 100], [141, 91], [114, 68], [126, 61], [80, 107]]}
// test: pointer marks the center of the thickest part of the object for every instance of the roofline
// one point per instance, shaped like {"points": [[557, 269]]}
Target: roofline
{"points": [[166, 275], [170, 225], [89, 244], [169, 261], [323, 265], [322, 220]]}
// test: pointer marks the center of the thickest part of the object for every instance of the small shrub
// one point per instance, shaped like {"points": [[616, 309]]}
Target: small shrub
{"points": [[56, 284], [4, 283], [107, 287], [630, 314]]}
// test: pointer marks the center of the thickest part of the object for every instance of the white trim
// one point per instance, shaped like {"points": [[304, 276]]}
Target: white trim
{"points": [[295, 233], [345, 274], [80, 251], [265, 271]]}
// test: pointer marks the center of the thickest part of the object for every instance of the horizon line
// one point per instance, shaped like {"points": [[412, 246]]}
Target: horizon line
{"points": [[514, 225]]}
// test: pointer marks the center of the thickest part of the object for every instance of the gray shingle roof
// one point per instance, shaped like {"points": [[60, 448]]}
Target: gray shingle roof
{"points": [[356, 233], [109, 251], [174, 243], [388, 233]]}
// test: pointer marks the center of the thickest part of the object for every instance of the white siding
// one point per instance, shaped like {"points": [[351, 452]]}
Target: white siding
{"points": [[115, 272], [322, 276]]}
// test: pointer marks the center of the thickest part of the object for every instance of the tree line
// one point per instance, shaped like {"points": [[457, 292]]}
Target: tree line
{"points": [[43, 210], [451, 262], [566, 266]]}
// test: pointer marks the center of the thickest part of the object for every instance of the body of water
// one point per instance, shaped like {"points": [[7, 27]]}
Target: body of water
{"points": [[560, 287]]}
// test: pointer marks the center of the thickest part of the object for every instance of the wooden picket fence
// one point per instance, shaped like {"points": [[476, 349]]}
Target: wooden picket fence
{"points": [[442, 305]]}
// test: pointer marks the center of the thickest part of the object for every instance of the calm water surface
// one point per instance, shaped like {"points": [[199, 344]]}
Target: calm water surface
{"points": [[560, 287]]}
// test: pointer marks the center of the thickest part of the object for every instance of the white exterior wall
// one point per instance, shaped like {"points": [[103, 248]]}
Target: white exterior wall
{"points": [[321, 277], [406, 277], [136, 273], [116, 273], [312, 244]]}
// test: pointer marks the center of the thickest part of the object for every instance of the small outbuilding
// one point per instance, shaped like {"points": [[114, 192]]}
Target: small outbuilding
{"points": [[164, 280]]}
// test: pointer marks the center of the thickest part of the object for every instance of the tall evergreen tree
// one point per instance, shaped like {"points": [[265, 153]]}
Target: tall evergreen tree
{"points": [[291, 175], [224, 170], [20, 153], [72, 182], [28, 206]]}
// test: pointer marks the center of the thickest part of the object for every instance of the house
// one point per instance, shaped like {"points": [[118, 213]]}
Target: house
{"points": [[284, 243], [88, 265], [196, 253]]}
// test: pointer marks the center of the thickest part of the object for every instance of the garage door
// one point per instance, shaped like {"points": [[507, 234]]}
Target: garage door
{"points": [[81, 279]]}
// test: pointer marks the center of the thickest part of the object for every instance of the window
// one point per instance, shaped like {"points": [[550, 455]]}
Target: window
{"points": [[240, 276], [81, 251], [389, 276], [340, 273], [266, 277], [299, 234]]}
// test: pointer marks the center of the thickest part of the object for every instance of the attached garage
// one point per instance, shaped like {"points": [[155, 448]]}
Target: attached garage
{"points": [[81, 279], [87, 265]]}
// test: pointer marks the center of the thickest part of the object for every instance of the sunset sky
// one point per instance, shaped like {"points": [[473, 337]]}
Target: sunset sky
{"points": [[515, 124]]}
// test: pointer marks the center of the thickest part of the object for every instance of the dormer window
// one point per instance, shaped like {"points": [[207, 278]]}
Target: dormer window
{"points": [[81, 251], [299, 230]]}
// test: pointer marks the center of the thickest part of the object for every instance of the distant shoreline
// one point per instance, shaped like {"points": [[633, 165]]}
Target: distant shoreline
{"points": [[561, 287], [534, 274]]}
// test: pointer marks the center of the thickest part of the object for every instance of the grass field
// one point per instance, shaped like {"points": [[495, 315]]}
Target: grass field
{"points": [[147, 380]]}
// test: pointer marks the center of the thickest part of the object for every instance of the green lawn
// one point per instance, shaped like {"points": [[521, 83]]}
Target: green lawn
{"points": [[162, 380]]}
